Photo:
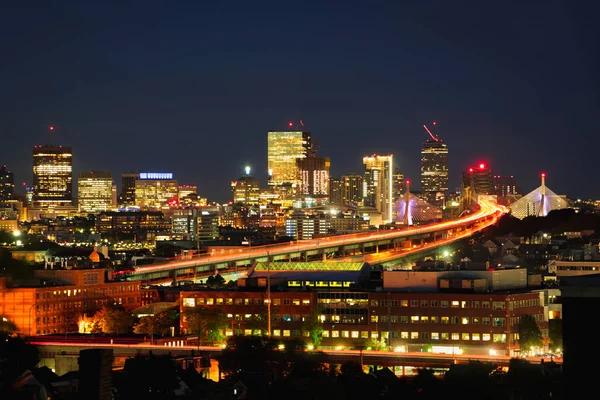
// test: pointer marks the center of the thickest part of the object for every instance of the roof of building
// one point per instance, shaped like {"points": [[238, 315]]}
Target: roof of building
{"points": [[310, 266], [155, 308], [310, 271]]}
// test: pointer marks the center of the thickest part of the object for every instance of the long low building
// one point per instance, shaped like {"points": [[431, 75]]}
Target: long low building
{"points": [[363, 314]]}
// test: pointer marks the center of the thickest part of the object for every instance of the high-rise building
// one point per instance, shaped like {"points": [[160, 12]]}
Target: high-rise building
{"points": [[246, 189], [397, 184], [475, 181], [377, 184], [155, 190], [505, 186], [283, 148], [314, 175], [7, 184], [128, 188], [335, 191], [52, 176], [94, 192], [352, 189], [434, 171]]}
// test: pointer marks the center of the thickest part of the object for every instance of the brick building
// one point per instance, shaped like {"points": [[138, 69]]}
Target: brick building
{"points": [[468, 323], [55, 300]]}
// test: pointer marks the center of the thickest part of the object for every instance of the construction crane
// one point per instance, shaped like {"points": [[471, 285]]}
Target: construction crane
{"points": [[435, 138]]}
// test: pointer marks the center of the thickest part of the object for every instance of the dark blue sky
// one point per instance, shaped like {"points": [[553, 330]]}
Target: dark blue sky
{"points": [[193, 88]]}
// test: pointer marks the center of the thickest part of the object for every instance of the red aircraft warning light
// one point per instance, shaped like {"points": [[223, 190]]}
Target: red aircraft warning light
{"points": [[470, 169], [51, 128], [481, 166], [543, 175], [290, 123]]}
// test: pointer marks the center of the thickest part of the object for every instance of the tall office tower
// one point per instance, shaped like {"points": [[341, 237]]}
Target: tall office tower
{"points": [[377, 184], [314, 175], [397, 184], [94, 192], [336, 190], [434, 171], [128, 188], [7, 184], [479, 179], [283, 148], [115, 197], [505, 186], [52, 176], [352, 189], [154, 190], [246, 189]]}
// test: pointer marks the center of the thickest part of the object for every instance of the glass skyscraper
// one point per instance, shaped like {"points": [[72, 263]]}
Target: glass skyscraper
{"points": [[52, 176], [283, 149], [94, 192], [434, 171], [377, 184]]}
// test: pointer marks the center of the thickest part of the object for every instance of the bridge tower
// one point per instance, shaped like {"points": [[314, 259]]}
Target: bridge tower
{"points": [[407, 220], [542, 211]]}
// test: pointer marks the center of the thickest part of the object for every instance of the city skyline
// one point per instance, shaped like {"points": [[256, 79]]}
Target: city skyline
{"points": [[128, 91]]}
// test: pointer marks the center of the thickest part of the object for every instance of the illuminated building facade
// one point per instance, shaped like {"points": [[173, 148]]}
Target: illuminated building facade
{"points": [[397, 184], [301, 226], [7, 184], [154, 190], [283, 148], [60, 305], [128, 188], [460, 323], [189, 191], [208, 223], [314, 175], [52, 176], [132, 221], [352, 189], [434, 171], [185, 223], [94, 192], [377, 184], [336, 190], [246, 190]]}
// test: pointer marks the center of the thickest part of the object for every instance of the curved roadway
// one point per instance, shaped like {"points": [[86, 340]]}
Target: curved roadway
{"points": [[487, 209]]}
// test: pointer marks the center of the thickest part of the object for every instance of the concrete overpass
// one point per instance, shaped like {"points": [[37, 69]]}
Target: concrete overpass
{"points": [[395, 244], [51, 351]]}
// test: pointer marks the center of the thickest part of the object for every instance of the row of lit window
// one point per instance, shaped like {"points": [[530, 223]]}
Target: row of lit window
{"points": [[486, 337], [497, 305], [200, 301], [454, 320]]}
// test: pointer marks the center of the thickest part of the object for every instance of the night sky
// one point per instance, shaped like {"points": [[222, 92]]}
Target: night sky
{"points": [[192, 88]]}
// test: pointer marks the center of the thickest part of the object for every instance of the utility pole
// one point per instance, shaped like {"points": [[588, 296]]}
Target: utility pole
{"points": [[268, 295]]}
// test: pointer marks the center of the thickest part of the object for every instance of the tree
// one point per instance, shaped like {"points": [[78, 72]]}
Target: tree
{"points": [[208, 323], [314, 327], [114, 319], [160, 323], [215, 281], [529, 333], [7, 326], [555, 333]]}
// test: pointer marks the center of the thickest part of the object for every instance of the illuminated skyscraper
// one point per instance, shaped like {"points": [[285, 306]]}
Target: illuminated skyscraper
{"points": [[7, 184], [314, 175], [352, 189], [434, 171], [52, 176], [155, 190], [377, 184], [505, 186], [283, 148], [94, 192], [246, 189]]}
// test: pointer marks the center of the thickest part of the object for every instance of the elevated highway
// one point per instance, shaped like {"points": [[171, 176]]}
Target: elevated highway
{"points": [[395, 244]]}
